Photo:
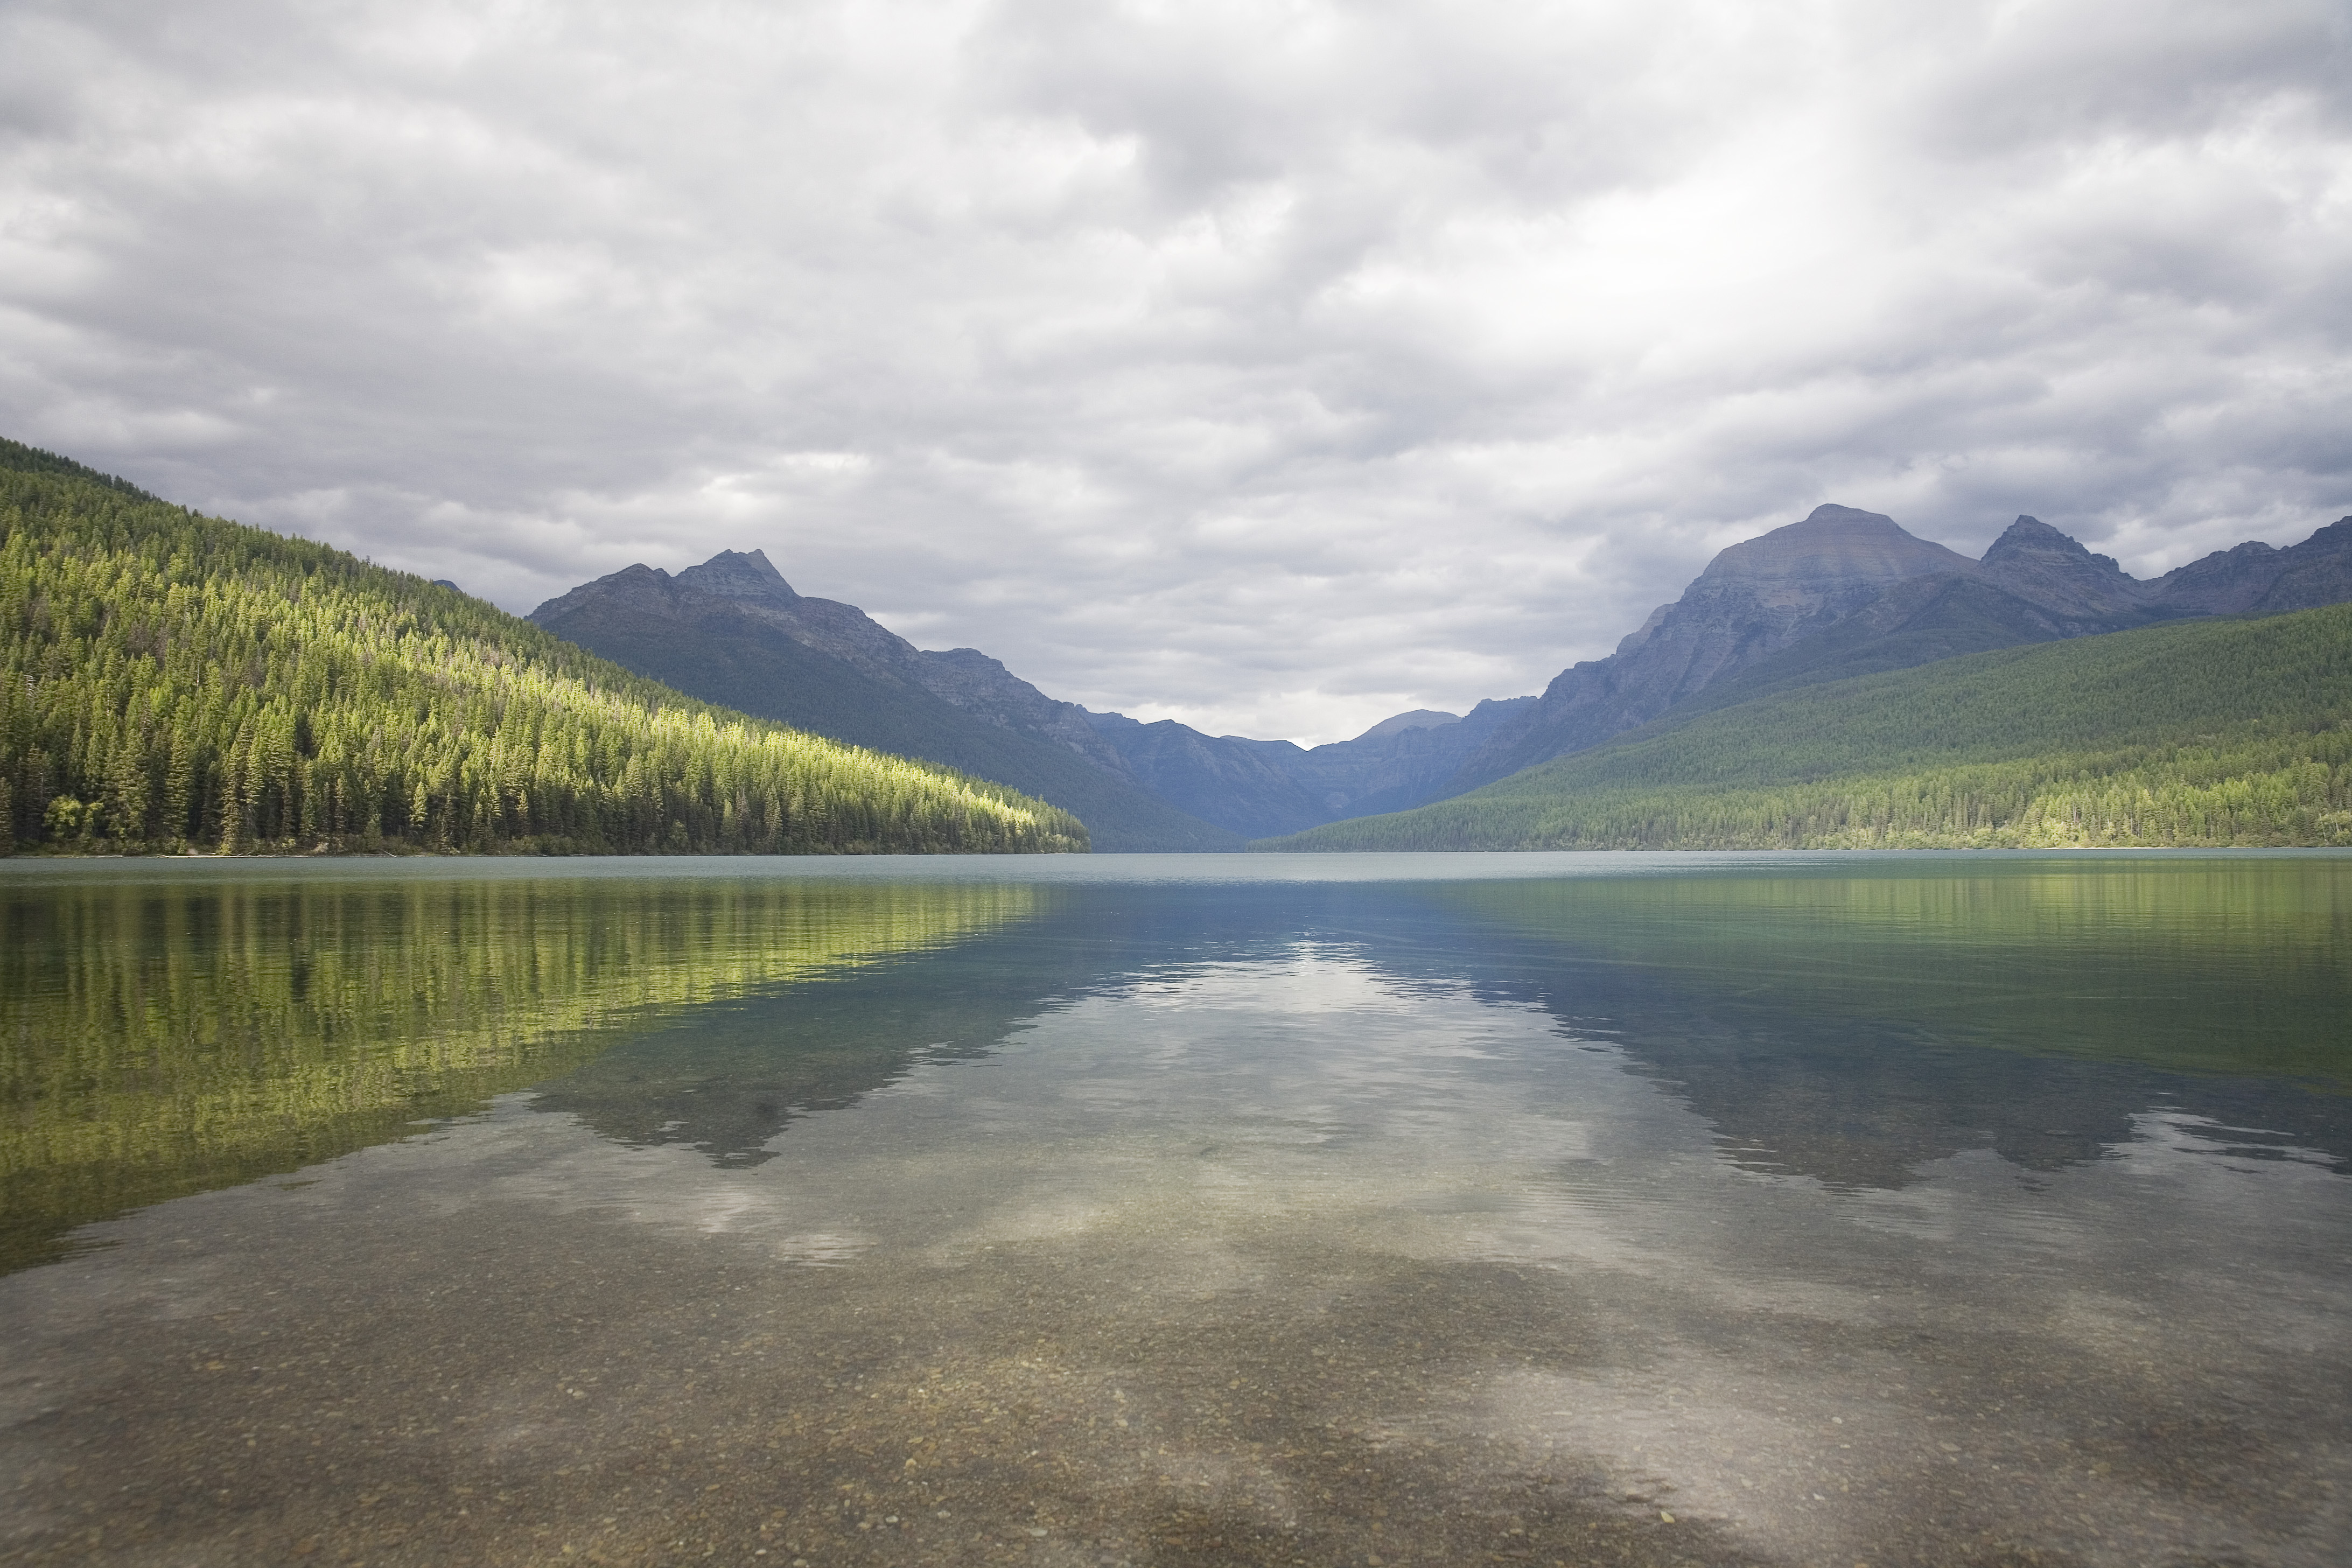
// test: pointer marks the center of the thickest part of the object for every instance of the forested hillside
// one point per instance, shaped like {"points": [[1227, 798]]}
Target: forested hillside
{"points": [[1847, 593], [177, 681], [2208, 732]]}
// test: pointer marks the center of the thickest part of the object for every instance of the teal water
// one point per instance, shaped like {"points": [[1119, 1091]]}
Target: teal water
{"points": [[1839, 1209]]}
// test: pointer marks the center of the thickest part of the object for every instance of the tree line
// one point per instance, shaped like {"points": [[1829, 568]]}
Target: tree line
{"points": [[2203, 733], [171, 682]]}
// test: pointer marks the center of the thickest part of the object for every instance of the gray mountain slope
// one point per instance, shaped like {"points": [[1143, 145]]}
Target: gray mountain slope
{"points": [[733, 630], [1842, 593], [729, 635], [1847, 593], [1232, 781], [963, 678], [2255, 580], [1753, 600], [1259, 788]]}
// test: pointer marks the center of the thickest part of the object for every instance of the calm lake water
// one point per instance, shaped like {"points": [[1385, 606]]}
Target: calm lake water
{"points": [[1845, 1209]]}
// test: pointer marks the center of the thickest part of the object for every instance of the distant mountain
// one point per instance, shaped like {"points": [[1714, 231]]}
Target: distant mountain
{"points": [[733, 631], [1846, 593], [1400, 760], [1262, 787], [2202, 730], [1753, 599], [2253, 579]]}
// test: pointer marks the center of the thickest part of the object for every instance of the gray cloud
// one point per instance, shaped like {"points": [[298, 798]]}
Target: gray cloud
{"points": [[1274, 367]]}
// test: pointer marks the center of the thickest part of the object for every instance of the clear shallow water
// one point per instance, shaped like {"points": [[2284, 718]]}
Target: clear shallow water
{"points": [[1776, 1209]]}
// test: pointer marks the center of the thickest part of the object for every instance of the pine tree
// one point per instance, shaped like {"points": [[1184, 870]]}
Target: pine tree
{"points": [[169, 680]]}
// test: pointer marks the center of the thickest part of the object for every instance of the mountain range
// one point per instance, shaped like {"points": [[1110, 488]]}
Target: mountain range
{"points": [[733, 631], [2199, 731], [1825, 682], [1846, 593], [1840, 594]]}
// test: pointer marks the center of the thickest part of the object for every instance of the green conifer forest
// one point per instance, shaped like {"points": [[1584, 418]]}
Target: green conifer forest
{"points": [[2219, 732], [177, 682]]}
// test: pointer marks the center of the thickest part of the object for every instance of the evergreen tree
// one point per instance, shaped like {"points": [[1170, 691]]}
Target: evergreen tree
{"points": [[2210, 732], [173, 682]]}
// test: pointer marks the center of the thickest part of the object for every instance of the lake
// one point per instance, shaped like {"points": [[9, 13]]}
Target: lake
{"points": [[1847, 1209]]}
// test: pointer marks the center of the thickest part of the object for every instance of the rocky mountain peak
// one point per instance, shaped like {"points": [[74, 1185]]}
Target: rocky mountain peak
{"points": [[737, 586], [2053, 570], [1753, 599], [639, 586], [1757, 596], [1419, 718], [739, 574], [1832, 544], [2030, 539], [2029, 536]]}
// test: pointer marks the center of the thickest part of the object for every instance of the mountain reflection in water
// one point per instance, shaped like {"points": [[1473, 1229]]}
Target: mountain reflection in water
{"points": [[173, 1034], [1925, 1209], [1838, 1026]]}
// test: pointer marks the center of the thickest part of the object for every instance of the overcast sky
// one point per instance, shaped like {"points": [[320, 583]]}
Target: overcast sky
{"points": [[1270, 366]]}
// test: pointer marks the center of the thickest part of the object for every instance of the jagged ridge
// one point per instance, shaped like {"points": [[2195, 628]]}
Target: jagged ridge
{"points": [[1846, 591]]}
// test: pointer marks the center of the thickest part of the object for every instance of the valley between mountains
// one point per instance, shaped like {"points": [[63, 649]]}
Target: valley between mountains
{"points": [[2148, 742], [181, 683]]}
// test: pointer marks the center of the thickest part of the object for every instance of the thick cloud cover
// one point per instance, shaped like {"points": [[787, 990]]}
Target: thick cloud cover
{"points": [[1274, 366]]}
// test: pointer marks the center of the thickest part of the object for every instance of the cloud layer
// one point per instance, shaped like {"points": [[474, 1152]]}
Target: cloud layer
{"points": [[1274, 366]]}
